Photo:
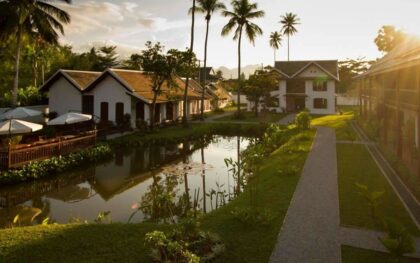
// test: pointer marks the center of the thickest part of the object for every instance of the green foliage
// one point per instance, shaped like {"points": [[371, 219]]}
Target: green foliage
{"points": [[26, 97], [348, 70], [252, 216], [303, 120], [56, 165], [388, 38], [398, 241], [372, 197]]}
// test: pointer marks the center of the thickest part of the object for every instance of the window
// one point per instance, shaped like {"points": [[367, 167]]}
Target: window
{"points": [[104, 112], [320, 103], [320, 85], [87, 104], [119, 112], [140, 110]]}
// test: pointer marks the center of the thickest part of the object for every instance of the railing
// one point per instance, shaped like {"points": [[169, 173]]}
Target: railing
{"points": [[17, 157]]}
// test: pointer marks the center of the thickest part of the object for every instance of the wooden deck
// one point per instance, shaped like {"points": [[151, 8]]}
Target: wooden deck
{"points": [[19, 155]]}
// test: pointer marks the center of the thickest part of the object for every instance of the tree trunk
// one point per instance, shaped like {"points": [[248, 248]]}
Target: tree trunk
{"points": [[205, 73], [204, 177], [288, 47], [187, 81], [274, 57], [239, 73], [17, 65]]}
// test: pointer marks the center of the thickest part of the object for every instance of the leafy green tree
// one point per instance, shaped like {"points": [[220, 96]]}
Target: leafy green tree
{"points": [[134, 62], [388, 38], [348, 70], [275, 42], [259, 86], [37, 18], [161, 67], [219, 74], [289, 22], [106, 57], [239, 20], [208, 7]]}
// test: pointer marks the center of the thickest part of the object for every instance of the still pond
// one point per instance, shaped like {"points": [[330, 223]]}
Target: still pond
{"points": [[132, 178]]}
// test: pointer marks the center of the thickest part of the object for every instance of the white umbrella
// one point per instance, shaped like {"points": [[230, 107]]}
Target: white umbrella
{"points": [[19, 113], [18, 127], [70, 118]]}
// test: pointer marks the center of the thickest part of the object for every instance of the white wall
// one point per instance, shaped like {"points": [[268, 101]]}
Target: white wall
{"points": [[64, 97], [329, 95], [109, 90]]}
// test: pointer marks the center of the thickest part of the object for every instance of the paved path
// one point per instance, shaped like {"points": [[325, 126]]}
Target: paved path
{"points": [[287, 119], [311, 227]]}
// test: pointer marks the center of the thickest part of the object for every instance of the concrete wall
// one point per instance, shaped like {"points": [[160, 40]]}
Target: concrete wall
{"points": [[347, 100], [64, 97], [329, 95]]}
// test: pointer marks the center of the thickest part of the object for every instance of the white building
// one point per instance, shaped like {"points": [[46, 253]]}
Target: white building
{"points": [[114, 94], [306, 84]]}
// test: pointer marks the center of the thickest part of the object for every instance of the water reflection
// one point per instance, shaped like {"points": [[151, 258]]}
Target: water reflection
{"points": [[165, 180]]}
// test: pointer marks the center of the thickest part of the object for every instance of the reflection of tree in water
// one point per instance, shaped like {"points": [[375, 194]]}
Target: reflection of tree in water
{"points": [[45, 206]]}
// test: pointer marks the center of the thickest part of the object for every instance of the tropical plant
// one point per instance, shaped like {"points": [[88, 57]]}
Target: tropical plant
{"points": [[34, 18], [187, 79], [208, 7], [239, 20], [275, 42], [398, 241], [289, 22], [372, 197]]}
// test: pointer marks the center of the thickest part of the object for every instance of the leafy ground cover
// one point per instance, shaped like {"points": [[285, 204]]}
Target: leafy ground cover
{"points": [[271, 191]]}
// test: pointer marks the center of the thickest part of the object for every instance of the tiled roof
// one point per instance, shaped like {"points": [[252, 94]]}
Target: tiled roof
{"points": [[82, 78], [140, 83], [290, 68]]}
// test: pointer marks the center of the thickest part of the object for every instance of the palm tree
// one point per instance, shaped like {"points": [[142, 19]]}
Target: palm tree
{"points": [[289, 21], [30, 17], [207, 7], [275, 42], [187, 81], [240, 18]]}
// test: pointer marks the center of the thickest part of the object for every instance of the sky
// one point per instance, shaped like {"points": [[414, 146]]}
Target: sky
{"points": [[329, 29]]}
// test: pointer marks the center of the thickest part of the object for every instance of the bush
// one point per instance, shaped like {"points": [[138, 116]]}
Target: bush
{"points": [[55, 165], [303, 120]]}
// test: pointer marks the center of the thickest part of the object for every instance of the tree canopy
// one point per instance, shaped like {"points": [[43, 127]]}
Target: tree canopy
{"points": [[388, 38]]}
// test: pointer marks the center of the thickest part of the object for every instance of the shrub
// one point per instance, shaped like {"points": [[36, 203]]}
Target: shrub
{"points": [[398, 241], [55, 165], [303, 120]]}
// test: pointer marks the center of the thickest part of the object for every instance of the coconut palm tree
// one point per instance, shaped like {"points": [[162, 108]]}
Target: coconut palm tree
{"points": [[275, 42], [187, 80], [30, 17], [289, 22], [207, 7], [239, 20]]}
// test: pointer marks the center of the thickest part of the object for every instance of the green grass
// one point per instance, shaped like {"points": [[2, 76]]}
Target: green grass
{"points": [[355, 165], [357, 255], [340, 123], [265, 117], [125, 243], [225, 110]]}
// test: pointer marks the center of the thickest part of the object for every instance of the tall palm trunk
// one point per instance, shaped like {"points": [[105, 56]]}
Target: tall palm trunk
{"points": [[205, 72], [288, 47], [17, 65], [187, 81], [274, 56], [239, 73]]}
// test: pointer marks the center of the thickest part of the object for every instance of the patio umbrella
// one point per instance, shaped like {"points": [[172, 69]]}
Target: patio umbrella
{"points": [[19, 113], [13, 126], [70, 118]]}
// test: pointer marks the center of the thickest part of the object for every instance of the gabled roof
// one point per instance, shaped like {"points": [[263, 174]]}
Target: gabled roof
{"points": [[139, 84], [196, 87], [292, 69], [405, 55], [79, 79], [206, 71]]}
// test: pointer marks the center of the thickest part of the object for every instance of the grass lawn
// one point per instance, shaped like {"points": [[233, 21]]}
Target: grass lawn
{"points": [[125, 242], [357, 255], [250, 117], [355, 165], [340, 123]]}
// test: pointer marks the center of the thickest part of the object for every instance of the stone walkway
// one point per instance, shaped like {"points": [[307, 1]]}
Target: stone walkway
{"points": [[287, 119], [311, 227]]}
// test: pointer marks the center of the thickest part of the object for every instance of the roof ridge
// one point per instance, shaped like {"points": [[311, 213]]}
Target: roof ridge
{"points": [[81, 71], [128, 70]]}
